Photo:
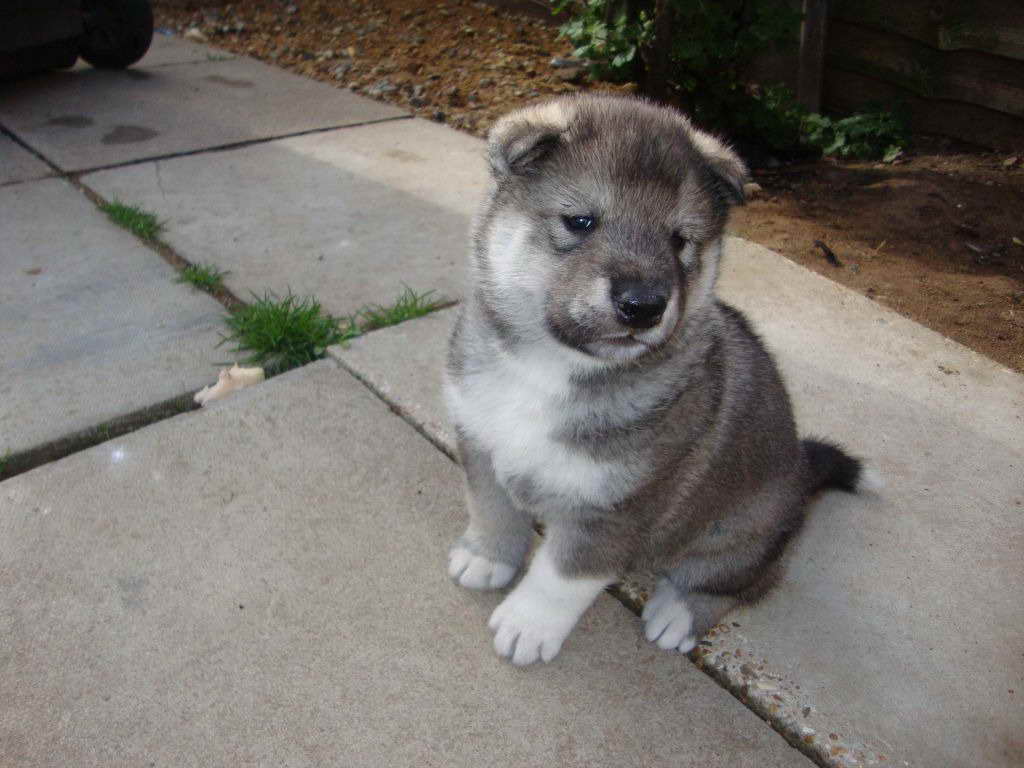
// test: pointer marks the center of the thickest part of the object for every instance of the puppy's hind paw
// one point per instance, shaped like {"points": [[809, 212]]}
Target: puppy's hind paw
{"points": [[667, 620], [476, 571]]}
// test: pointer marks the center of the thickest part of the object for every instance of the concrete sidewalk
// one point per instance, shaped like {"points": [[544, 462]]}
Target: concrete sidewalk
{"points": [[264, 582], [897, 632], [244, 585]]}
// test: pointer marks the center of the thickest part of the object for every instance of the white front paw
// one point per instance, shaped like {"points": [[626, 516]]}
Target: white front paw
{"points": [[527, 628], [477, 572], [667, 619]]}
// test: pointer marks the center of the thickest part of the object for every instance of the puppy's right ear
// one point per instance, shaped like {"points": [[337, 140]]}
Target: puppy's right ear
{"points": [[519, 142]]}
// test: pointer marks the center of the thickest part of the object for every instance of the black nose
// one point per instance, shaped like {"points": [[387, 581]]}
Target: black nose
{"points": [[639, 304]]}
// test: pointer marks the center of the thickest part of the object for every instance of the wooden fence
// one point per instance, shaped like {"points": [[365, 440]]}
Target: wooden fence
{"points": [[956, 65]]}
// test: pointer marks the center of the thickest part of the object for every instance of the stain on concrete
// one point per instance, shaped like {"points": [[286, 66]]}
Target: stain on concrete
{"points": [[403, 156], [129, 134], [229, 81], [132, 588], [71, 121]]}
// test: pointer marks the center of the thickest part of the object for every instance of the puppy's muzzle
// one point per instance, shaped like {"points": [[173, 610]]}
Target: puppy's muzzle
{"points": [[639, 304]]}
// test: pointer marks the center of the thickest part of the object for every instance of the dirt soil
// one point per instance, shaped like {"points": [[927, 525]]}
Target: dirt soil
{"points": [[937, 236]]}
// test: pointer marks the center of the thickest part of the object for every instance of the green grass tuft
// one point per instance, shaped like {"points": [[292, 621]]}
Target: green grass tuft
{"points": [[408, 306], [134, 219], [205, 277], [283, 333], [280, 334]]}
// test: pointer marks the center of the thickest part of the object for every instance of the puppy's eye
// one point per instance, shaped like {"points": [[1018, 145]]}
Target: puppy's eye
{"points": [[678, 241], [579, 223]]}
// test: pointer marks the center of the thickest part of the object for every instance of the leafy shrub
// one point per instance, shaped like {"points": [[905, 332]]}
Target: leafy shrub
{"points": [[701, 66], [865, 136], [705, 50], [607, 37]]}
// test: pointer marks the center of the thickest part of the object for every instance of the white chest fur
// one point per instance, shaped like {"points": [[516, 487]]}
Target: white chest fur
{"points": [[513, 407]]}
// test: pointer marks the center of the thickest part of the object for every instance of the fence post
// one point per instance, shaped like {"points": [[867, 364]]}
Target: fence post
{"points": [[812, 54]]}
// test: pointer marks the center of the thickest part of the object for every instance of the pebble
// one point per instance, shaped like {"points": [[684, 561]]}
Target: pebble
{"points": [[195, 35], [752, 190], [381, 87], [570, 74], [341, 70]]}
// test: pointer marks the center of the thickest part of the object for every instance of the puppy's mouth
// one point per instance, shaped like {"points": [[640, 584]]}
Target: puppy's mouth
{"points": [[622, 340], [624, 346]]}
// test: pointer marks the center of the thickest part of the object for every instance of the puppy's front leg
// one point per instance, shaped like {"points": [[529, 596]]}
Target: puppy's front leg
{"points": [[534, 620], [488, 555]]}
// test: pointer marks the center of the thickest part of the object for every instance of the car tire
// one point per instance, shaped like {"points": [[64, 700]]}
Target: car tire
{"points": [[116, 33]]}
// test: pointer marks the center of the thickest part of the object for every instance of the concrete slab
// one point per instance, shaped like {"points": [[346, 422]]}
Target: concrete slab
{"points": [[348, 215], [899, 624], [88, 118], [289, 606], [404, 364], [94, 326], [18, 164]]}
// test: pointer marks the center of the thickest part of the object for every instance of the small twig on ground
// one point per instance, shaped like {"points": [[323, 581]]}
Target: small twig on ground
{"points": [[829, 253]]}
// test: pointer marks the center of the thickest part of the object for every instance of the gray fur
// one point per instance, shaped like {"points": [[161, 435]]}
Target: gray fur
{"points": [[707, 480]]}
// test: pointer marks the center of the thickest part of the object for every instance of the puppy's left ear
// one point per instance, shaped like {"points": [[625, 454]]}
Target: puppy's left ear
{"points": [[729, 171], [519, 142]]}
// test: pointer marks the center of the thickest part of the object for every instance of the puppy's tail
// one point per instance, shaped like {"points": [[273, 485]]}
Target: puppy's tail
{"points": [[829, 466]]}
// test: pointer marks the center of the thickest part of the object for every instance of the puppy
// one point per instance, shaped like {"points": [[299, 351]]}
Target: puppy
{"points": [[598, 387]]}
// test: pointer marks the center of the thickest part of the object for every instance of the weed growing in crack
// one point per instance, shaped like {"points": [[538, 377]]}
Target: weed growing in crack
{"points": [[204, 277], [283, 333], [134, 219], [408, 306]]}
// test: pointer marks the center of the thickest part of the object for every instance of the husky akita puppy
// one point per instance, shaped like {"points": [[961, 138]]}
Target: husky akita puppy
{"points": [[597, 385]]}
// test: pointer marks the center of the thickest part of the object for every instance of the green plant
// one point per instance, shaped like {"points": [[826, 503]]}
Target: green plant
{"points": [[280, 334], [771, 116], [134, 219], [866, 136], [692, 52], [608, 36], [205, 277], [407, 306], [284, 333]]}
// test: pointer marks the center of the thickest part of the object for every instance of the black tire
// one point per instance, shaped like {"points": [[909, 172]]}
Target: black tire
{"points": [[117, 32]]}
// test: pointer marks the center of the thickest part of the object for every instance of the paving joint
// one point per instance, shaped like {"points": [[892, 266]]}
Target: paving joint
{"points": [[395, 408], [19, 462], [4, 130], [158, 246]]}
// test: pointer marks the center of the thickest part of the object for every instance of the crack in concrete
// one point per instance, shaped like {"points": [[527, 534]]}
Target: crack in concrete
{"points": [[159, 180]]}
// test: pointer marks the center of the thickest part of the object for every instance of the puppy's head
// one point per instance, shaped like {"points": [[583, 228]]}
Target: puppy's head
{"points": [[605, 226]]}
